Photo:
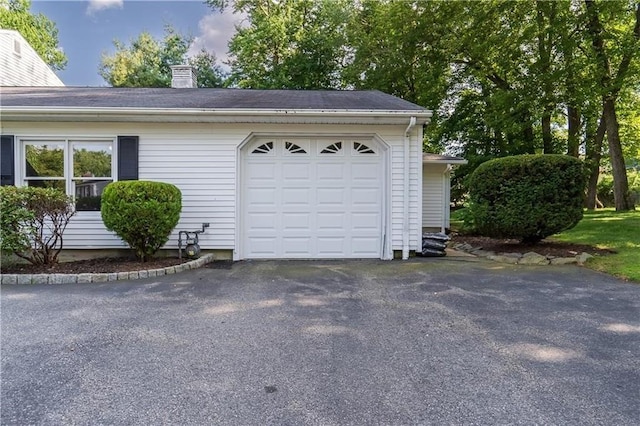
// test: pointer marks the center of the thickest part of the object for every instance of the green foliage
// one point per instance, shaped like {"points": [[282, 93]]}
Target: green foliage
{"points": [[141, 213], [293, 44], [38, 30], [33, 222], [605, 188], [147, 62], [527, 197]]}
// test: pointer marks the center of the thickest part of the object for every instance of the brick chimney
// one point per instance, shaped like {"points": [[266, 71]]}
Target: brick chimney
{"points": [[183, 77]]}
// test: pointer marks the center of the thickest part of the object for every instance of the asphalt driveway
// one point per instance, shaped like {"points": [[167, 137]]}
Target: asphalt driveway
{"points": [[428, 341]]}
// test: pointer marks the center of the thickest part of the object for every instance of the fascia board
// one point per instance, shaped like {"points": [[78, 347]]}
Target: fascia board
{"points": [[211, 115]]}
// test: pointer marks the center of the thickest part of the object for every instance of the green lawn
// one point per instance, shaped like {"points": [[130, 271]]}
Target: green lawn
{"points": [[604, 229], [607, 229]]}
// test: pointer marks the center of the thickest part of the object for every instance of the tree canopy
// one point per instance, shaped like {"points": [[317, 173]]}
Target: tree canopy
{"points": [[147, 61], [38, 30]]}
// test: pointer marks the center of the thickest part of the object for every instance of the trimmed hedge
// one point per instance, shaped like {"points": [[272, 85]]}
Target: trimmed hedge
{"points": [[527, 197], [141, 213]]}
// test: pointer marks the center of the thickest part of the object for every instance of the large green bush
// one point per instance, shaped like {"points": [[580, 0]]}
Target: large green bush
{"points": [[527, 197], [33, 221], [141, 213]]}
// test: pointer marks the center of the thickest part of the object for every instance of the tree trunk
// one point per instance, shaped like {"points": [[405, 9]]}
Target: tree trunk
{"points": [[573, 122], [547, 140], [594, 154], [612, 85], [621, 194]]}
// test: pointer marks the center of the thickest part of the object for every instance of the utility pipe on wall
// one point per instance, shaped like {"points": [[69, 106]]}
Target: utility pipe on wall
{"points": [[405, 219]]}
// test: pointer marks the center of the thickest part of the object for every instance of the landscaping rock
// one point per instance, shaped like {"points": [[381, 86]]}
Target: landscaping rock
{"points": [[123, 275], [583, 257], [9, 279], [533, 258], [503, 259], [84, 278], [24, 279], [563, 260], [100, 278], [58, 279]]}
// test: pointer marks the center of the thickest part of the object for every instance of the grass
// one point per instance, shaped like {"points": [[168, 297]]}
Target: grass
{"points": [[609, 229], [606, 229]]}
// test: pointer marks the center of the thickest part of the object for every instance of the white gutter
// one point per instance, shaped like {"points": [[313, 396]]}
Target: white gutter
{"points": [[19, 113], [405, 219]]}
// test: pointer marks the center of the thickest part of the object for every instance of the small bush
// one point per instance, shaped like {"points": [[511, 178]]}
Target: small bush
{"points": [[141, 213], [33, 222], [527, 197]]}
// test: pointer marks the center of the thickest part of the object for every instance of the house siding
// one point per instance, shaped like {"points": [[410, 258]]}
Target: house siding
{"points": [[434, 195], [21, 65], [201, 159]]}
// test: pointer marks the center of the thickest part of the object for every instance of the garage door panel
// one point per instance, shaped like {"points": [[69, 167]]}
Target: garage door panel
{"points": [[296, 246], [317, 205], [262, 171], [365, 172], [296, 172], [331, 246], [331, 172], [365, 221], [331, 197], [261, 246], [296, 221], [261, 196], [365, 246]]}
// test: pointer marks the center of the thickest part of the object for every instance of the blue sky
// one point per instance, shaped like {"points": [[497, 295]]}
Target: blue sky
{"points": [[87, 29]]}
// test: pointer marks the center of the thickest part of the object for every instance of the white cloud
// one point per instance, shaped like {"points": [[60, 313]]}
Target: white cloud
{"points": [[216, 29], [98, 5]]}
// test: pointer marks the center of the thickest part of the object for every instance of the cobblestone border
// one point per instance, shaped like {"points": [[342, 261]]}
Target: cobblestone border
{"points": [[22, 279], [530, 258]]}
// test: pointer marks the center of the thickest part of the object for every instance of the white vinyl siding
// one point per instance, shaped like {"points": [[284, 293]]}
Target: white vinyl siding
{"points": [[434, 196], [201, 159], [21, 65]]}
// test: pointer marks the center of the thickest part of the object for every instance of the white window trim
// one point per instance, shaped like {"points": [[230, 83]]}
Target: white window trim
{"points": [[20, 172]]}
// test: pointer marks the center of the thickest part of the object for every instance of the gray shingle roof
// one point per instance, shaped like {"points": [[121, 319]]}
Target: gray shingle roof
{"points": [[109, 97]]}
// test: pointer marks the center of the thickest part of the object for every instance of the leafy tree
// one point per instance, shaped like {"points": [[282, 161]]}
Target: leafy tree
{"points": [[612, 80], [147, 62], [38, 30], [295, 44]]}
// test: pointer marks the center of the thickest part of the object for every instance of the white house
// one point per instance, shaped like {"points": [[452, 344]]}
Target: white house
{"points": [[276, 173], [436, 191], [20, 65]]}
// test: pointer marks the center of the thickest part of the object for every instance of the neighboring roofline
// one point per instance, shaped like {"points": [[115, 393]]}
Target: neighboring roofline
{"points": [[444, 160], [206, 115]]}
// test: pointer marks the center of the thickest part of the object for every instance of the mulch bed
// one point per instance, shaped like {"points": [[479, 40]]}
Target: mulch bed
{"points": [[103, 265], [545, 248]]}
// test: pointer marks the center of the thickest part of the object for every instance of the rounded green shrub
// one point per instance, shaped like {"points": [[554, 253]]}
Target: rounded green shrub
{"points": [[141, 213], [527, 197]]}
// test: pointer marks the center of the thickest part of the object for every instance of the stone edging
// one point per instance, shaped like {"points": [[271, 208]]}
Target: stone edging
{"points": [[103, 277], [530, 258]]}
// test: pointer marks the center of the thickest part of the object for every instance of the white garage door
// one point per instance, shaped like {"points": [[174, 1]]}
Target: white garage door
{"points": [[309, 199]]}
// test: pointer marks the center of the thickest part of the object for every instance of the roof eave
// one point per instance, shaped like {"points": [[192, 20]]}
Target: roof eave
{"points": [[228, 115]]}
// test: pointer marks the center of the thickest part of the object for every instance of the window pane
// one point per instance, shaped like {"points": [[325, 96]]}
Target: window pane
{"points": [[57, 184], [92, 159], [88, 194], [44, 159]]}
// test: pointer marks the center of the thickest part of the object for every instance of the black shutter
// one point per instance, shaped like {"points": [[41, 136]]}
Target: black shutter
{"points": [[7, 172], [128, 157]]}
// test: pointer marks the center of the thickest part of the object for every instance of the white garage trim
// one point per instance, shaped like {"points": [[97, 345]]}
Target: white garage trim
{"points": [[275, 155]]}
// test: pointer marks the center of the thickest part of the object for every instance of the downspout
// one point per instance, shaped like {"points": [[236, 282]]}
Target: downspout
{"points": [[405, 219]]}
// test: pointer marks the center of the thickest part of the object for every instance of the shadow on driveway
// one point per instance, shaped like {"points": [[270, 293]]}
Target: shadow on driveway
{"points": [[426, 341]]}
